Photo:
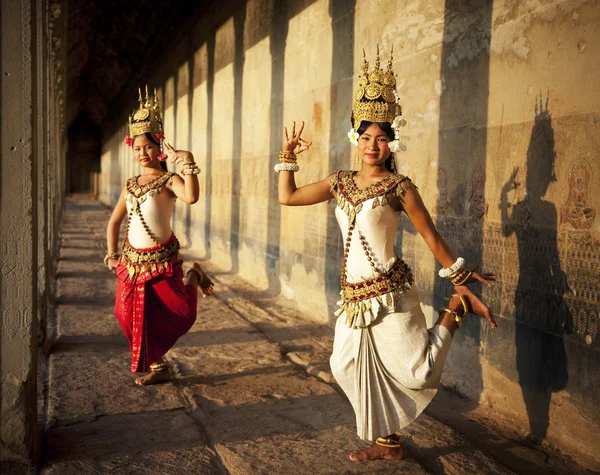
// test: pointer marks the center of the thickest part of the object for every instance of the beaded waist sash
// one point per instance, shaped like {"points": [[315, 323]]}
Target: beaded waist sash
{"points": [[361, 301], [151, 261], [398, 277]]}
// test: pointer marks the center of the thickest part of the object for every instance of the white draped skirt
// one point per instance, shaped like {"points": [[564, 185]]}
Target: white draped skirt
{"points": [[391, 369]]}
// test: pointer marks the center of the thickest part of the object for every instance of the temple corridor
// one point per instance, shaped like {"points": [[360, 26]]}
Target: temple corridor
{"points": [[499, 131]]}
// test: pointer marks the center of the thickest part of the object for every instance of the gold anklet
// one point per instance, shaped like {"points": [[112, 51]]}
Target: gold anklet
{"points": [[388, 442], [159, 367]]}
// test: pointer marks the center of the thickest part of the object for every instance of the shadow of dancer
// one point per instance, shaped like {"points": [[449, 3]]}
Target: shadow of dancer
{"points": [[541, 313]]}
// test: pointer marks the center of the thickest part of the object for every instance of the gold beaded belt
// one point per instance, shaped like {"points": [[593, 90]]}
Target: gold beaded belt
{"points": [[152, 255], [147, 263], [398, 277]]}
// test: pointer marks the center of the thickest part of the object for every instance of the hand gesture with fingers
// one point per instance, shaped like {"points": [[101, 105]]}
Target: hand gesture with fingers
{"points": [[178, 156], [510, 185], [295, 144]]}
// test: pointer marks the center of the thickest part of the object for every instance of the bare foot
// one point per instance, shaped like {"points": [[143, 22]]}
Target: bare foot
{"points": [[205, 285], [153, 378], [377, 452]]}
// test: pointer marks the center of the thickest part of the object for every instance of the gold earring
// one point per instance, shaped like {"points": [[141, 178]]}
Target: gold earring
{"points": [[357, 159]]}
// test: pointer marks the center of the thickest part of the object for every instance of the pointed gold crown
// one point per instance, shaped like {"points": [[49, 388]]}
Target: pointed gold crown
{"points": [[147, 118], [375, 99]]}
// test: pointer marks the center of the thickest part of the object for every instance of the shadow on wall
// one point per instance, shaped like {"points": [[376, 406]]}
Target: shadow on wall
{"points": [[541, 313], [116, 179], [279, 32], [342, 72], [239, 20]]}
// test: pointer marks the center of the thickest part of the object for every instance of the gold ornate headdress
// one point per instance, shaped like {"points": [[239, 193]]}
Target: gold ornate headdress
{"points": [[146, 118], [375, 99]]}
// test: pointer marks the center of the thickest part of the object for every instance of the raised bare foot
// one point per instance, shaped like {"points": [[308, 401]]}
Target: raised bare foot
{"points": [[205, 285], [153, 378], [377, 452]]}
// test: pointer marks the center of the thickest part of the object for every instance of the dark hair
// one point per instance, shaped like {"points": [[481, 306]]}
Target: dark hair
{"points": [[386, 127], [152, 139]]}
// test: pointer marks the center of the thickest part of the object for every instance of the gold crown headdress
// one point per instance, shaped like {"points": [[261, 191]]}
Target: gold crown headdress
{"points": [[146, 118], [375, 99]]}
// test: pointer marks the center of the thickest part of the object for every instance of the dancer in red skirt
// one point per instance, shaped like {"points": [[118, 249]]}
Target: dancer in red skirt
{"points": [[155, 302]]}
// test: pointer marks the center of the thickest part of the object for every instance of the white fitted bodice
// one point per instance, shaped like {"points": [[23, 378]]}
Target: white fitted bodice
{"points": [[155, 205], [378, 226]]}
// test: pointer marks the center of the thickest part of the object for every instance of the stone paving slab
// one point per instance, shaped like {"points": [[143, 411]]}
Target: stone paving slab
{"points": [[162, 442], [90, 377]]}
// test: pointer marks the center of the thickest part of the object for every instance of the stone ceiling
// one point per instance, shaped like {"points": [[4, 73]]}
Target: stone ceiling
{"points": [[109, 42]]}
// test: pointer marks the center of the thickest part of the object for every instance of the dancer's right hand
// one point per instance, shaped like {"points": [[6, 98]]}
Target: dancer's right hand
{"points": [[112, 264], [295, 144]]}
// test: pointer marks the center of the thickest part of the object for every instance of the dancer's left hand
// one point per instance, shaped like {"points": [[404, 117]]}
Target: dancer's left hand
{"points": [[178, 156], [477, 306], [485, 277]]}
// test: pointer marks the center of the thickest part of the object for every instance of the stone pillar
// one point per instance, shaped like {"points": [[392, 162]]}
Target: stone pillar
{"points": [[18, 236]]}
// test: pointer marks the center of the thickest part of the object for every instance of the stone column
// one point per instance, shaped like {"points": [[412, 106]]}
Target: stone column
{"points": [[18, 231]]}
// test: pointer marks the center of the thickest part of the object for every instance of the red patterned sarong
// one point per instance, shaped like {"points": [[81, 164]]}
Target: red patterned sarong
{"points": [[153, 305]]}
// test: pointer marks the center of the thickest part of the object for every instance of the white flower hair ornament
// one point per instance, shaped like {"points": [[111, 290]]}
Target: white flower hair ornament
{"points": [[353, 136], [395, 145]]}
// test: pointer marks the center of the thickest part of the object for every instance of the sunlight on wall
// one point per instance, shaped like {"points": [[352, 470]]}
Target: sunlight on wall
{"points": [[199, 127], [181, 141], [256, 175], [222, 150]]}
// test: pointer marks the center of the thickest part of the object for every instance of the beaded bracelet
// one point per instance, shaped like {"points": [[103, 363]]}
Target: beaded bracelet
{"points": [[286, 167], [190, 171], [446, 273]]}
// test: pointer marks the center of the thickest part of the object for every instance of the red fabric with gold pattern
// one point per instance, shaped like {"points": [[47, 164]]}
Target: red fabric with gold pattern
{"points": [[155, 309]]}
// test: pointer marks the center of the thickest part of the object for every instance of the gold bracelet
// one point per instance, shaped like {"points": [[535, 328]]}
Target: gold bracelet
{"points": [[460, 276], [464, 303], [458, 273], [464, 280], [287, 160], [288, 155], [110, 255], [457, 318], [454, 274]]}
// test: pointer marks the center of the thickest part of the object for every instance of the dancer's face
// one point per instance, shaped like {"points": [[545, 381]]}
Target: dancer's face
{"points": [[373, 146], [146, 152]]}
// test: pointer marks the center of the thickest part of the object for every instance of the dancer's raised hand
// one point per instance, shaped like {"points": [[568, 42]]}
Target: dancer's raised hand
{"points": [[295, 144], [178, 156]]}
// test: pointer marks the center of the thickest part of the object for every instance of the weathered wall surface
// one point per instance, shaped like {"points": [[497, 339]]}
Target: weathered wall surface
{"points": [[32, 172], [503, 121]]}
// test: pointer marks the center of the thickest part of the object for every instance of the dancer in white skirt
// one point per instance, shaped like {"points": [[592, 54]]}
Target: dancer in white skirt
{"points": [[384, 357]]}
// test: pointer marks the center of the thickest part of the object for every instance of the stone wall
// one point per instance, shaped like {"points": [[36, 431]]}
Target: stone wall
{"points": [[503, 120], [32, 176]]}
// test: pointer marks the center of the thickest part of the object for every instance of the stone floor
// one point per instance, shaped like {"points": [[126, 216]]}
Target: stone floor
{"points": [[251, 394]]}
